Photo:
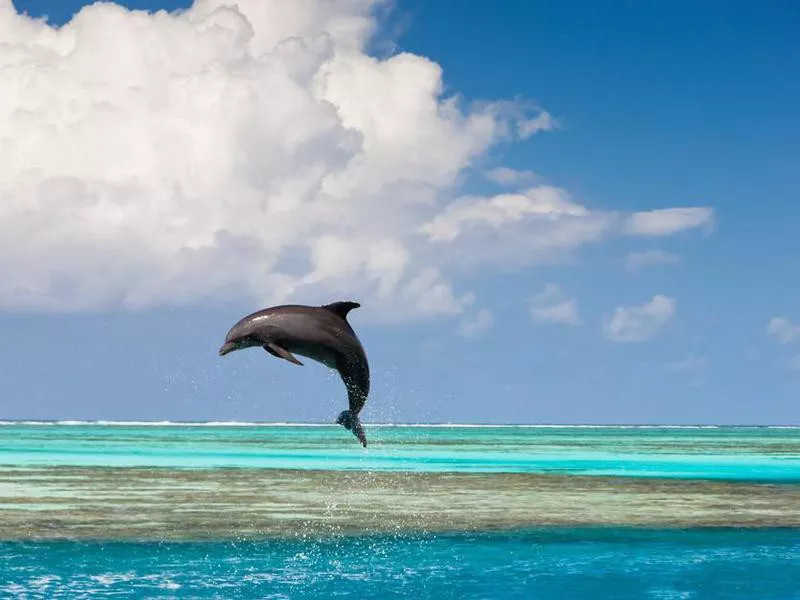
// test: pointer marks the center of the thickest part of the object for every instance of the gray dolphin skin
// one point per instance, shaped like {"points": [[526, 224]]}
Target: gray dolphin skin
{"points": [[320, 333]]}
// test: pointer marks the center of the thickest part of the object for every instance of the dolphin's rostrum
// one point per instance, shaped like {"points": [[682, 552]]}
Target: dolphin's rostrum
{"points": [[320, 333]]}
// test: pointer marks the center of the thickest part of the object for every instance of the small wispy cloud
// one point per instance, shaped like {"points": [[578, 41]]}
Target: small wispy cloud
{"points": [[552, 305], [794, 363], [783, 330], [544, 121], [508, 176], [472, 327], [636, 261], [691, 369], [689, 364], [669, 221], [640, 323]]}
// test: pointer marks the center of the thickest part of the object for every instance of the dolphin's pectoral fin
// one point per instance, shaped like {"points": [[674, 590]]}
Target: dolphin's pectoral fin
{"points": [[283, 353]]}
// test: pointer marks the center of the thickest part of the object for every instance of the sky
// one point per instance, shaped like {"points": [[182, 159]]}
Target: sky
{"points": [[550, 212]]}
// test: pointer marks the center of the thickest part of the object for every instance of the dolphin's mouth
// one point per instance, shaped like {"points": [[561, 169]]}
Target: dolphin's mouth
{"points": [[227, 347]]}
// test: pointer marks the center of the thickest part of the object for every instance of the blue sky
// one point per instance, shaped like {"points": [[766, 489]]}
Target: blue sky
{"points": [[658, 105]]}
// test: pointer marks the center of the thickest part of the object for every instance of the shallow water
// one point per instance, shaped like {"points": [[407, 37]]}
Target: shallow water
{"points": [[752, 454]]}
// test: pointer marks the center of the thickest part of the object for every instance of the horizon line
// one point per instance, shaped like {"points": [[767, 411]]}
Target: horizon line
{"points": [[232, 423]]}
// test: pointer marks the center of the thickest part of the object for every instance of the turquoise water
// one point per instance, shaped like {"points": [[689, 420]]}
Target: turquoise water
{"points": [[539, 564], [287, 511], [725, 453]]}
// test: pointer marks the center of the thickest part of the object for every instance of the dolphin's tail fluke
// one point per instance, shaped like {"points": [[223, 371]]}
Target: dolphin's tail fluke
{"points": [[352, 423]]}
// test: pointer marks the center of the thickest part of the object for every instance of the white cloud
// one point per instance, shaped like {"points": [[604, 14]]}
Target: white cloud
{"points": [[507, 176], [640, 323], [783, 330], [252, 148], [552, 305], [669, 221], [636, 261], [544, 202], [474, 326]]}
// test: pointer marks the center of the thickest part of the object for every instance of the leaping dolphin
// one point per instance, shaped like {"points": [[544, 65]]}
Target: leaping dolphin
{"points": [[320, 333]]}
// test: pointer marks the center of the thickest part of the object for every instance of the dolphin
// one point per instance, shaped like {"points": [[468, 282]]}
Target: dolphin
{"points": [[320, 333]]}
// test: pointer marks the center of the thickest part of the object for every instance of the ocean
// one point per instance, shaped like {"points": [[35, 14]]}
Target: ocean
{"points": [[222, 510]]}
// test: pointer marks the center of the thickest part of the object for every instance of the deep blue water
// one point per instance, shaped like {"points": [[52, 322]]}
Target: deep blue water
{"points": [[546, 563]]}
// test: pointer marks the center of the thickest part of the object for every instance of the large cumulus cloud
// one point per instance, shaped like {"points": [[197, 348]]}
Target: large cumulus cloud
{"points": [[252, 148]]}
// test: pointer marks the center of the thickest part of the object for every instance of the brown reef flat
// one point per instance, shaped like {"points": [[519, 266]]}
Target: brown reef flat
{"points": [[167, 504]]}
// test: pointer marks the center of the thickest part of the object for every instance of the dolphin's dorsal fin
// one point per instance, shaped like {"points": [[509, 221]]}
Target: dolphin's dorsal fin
{"points": [[341, 308]]}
